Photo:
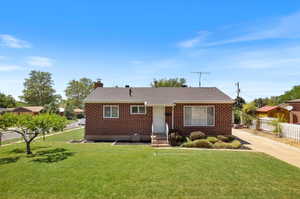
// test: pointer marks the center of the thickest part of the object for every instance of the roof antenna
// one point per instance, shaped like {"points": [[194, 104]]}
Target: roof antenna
{"points": [[200, 76]]}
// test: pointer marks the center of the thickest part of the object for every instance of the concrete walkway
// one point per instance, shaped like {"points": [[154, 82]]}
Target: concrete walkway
{"points": [[279, 150]]}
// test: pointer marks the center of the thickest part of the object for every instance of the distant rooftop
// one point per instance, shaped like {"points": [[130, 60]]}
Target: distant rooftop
{"points": [[266, 109]]}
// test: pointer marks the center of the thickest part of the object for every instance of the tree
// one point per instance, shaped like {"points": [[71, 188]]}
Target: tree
{"points": [[51, 108], [239, 102], [69, 110], [38, 89], [250, 108], [29, 127], [7, 101], [78, 90], [172, 82]]}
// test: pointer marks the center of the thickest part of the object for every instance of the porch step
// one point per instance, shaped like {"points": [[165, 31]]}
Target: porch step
{"points": [[158, 140], [160, 145]]}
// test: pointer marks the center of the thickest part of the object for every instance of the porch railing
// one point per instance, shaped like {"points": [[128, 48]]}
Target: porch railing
{"points": [[167, 132]]}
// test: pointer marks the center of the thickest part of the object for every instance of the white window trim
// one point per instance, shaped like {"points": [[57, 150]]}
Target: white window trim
{"points": [[104, 106], [131, 113], [214, 118]]}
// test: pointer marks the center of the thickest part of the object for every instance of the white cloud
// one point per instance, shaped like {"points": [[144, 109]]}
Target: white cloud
{"points": [[13, 42], [266, 58], [201, 37], [39, 61], [6, 68], [286, 27]]}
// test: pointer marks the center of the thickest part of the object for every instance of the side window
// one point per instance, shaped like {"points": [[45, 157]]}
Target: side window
{"points": [[137, 109], [111, 111]]}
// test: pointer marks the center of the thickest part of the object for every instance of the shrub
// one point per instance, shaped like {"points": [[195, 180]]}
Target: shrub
{"points": [[223, 138], [236, 144], [196, 135], [231, 138], [202, 143], [225, 145], [212, 139], [176, 140], [188, 144]]}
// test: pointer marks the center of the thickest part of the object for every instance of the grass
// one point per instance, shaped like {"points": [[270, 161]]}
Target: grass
{"points": [[59, 169]]}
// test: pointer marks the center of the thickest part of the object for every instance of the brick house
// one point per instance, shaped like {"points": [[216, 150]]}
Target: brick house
{"points": [[143, 113]]}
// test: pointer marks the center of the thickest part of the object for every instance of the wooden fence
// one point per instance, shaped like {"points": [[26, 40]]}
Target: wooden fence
{"points": [[291, 131]]}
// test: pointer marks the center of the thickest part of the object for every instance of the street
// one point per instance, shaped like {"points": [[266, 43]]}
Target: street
{"points": [[12, 135]]}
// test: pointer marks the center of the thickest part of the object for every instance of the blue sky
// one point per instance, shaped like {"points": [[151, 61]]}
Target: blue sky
{"points": [[131, 42]]}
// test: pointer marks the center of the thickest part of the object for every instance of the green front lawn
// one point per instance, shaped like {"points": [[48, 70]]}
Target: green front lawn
{"points": [[98, 170]]}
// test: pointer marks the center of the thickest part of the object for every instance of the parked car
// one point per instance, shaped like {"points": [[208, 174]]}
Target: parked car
{"points": [[81, 121]]}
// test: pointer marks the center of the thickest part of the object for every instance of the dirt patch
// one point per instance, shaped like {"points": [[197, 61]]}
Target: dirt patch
{"points": [[274, 137]]}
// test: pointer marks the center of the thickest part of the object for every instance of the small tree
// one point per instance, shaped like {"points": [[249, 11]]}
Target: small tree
{"points": [[277, 127], [69, 111], [249, 108], [29, 127]]}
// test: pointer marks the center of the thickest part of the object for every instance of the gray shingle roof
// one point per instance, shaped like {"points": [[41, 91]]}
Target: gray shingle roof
{"points": [[154, 96]]}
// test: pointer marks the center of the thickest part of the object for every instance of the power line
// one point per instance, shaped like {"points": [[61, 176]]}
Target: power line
{"points": [[200, 76]]}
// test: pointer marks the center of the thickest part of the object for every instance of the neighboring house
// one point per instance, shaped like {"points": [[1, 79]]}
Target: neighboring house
{"points": [[78, 111], [61, 111], [34, 110], [295, 111], [273, 112], [142, 113]]}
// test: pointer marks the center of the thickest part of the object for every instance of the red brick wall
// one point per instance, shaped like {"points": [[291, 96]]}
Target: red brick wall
{"points": [[223, 120], [126, 125]]}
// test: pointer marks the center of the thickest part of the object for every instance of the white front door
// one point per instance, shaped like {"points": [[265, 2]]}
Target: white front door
{"points": [[159, 121]]}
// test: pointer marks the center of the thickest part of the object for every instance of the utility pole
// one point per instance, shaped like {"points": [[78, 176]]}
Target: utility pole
{"points": [[238, 90], [200, 76]]}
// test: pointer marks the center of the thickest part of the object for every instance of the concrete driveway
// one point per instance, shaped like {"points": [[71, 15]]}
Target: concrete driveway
{"points": [[278, 150]]}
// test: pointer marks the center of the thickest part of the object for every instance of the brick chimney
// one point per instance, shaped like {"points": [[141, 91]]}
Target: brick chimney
{"points": [[98, 83]]}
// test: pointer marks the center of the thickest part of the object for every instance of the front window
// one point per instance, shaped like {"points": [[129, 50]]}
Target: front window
{"points": [[111, 111], [137, 109], [199, 116]]}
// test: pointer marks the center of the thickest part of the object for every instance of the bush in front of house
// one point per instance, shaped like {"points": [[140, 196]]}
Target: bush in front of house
{"points": [[212, 139], [188, 144], [196, 135], [228, 138], [176, 139], [227, 145], [203, 143]]}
